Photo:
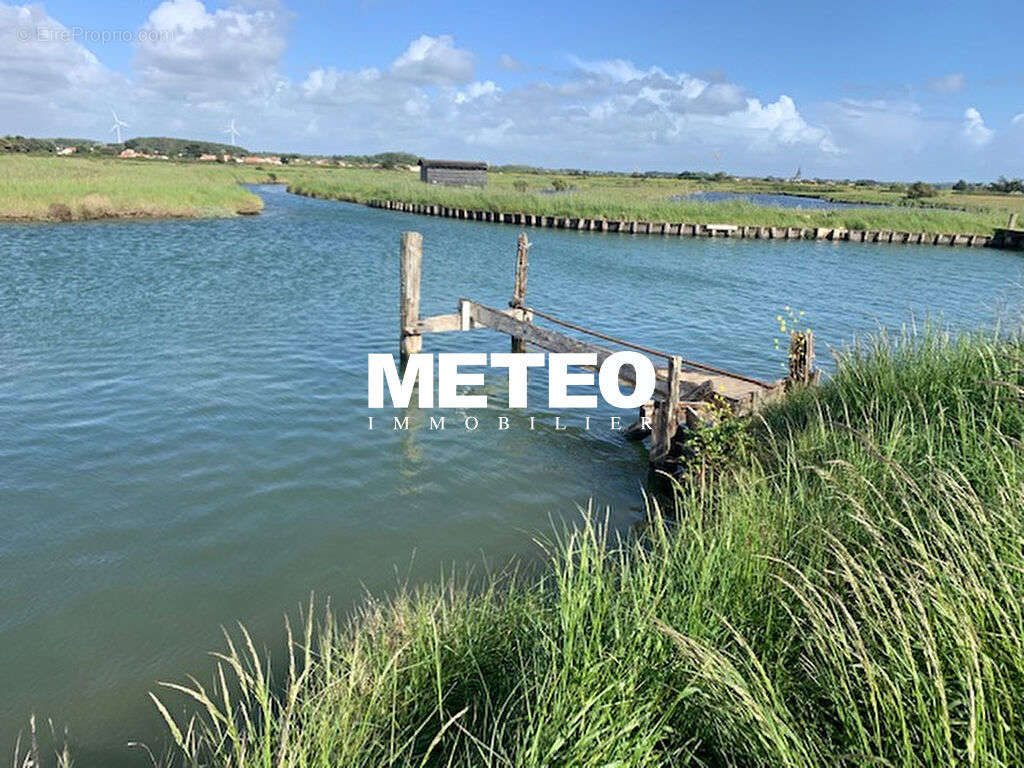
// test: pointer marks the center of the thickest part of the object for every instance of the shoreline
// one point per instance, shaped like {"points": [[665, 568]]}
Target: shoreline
{"points": [[683, 229], [124, 216], [549, 221]]}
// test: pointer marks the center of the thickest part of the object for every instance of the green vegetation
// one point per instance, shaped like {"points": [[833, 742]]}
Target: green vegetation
{"points": [[656, 199], [919, 189], [75, 189], [383, 159], [99, 186], [28, 145], [162, 145], [850, 593]]}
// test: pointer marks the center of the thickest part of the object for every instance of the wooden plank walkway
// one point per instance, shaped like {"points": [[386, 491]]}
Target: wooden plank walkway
{"points": [[686, 392]]}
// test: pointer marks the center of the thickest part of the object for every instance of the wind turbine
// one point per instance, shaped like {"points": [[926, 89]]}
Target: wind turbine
{"points": [[118, 125], [233, 132]]}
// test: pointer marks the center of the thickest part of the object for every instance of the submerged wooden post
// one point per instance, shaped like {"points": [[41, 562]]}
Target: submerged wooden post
{"points": [[519, 291], [410, 268], [801, 358], [665, 424]]}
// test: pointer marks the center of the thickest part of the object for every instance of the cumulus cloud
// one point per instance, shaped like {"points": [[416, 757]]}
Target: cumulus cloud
{"points": [[600, 114], [951, 83], [434, 60], [206, 56], [974, 129], [48, 80], [681, 107], [476, 90], [1018, 119]]}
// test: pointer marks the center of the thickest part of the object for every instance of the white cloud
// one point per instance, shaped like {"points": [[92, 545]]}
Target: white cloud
{"points": [[1018, 119], [951, 83], [49, 83], [476, 90], [619, 70], [434, 60], [681, 108], [510, 63], [205, 57], [974, 128]]}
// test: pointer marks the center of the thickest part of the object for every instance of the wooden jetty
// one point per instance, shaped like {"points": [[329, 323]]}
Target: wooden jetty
{"points": [[687, 393]]}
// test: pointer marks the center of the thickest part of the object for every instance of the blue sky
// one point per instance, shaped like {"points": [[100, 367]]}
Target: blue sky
{"points": [[886, 90]]}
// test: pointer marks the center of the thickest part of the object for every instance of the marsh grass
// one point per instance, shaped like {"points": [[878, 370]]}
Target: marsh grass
{"points": [[850, 595], [31, 754], [80, 188], [627, 198], [76, 189]]}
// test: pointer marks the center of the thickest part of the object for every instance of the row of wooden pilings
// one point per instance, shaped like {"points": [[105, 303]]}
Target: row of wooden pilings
{"points": [[674, 229]]}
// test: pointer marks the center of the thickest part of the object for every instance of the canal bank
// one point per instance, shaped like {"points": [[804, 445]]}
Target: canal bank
{"points": [[682, 229]]}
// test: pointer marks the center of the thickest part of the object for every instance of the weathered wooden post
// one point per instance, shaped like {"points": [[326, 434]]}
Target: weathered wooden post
{"points": [[519, 291], [410, 268], [1012, 223], [665, 424], [801, 359]]}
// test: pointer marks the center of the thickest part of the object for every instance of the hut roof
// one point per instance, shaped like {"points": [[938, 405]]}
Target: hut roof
{"points": [[464, 165]]}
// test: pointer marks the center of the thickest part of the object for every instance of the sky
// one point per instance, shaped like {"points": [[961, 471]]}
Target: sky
{"points": [[885, 90]]}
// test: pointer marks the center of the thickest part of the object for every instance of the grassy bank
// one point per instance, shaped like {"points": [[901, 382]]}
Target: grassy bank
{"points": [[650, 199], [51, 188], [37, 188], [852, 593]]}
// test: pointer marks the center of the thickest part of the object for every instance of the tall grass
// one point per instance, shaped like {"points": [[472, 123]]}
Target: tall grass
{"points": [[629, 198], [851, 594], [74, 189]]}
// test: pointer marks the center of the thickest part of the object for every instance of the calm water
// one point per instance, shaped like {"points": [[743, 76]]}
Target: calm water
{"points": [[183, 436], [777, 201]]}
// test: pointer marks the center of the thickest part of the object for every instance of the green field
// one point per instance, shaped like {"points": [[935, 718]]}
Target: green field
{"points": [[850, 592], [41, 188], [80, 188], [650, 199]]}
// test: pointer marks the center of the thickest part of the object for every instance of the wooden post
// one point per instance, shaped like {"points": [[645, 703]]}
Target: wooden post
{"points": [[801, 358], [665, 424], [1012, 223], [410, 268], [519, 291]]}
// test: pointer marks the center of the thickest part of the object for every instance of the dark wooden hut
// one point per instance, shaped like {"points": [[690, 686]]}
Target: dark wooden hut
{"points": [[453, 173]]}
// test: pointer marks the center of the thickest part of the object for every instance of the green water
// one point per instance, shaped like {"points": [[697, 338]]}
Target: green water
{"points": [[183, 431]]}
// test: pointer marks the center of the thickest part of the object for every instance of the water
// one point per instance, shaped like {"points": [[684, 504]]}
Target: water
{"points": [[183, 433], [777, 201]]}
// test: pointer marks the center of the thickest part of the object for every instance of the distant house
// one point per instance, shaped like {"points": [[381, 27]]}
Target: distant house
{"points": [[128, 152], [207, 157], [269, 160], [66, 150], [453, 173]]}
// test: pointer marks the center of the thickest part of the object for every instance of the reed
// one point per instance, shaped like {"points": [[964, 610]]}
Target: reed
{"points": [[75, 189], [849, 594], [639, 199]]}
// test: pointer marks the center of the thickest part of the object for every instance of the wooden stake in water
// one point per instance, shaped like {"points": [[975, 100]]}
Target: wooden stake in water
{"points": [[801, 358], [519, 291], [665, 419], [410, 268]]}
